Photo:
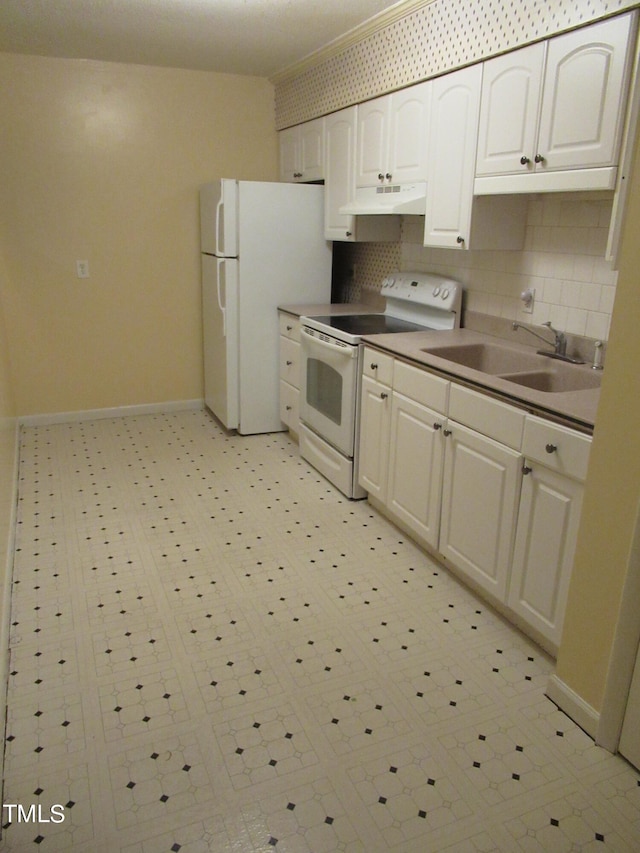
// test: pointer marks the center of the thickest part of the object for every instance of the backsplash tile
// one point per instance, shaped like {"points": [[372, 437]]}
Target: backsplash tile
{"points": [[562, 260]]}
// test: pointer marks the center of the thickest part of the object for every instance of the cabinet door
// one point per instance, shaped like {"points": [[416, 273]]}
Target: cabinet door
{"points": [[415, 467], [375, 421], [372, 136], [339, 182], [453, 137], [544, 547], [584, 95], [288, 141], [408, 127], [311, 144], [479, 503], [511, 86]]}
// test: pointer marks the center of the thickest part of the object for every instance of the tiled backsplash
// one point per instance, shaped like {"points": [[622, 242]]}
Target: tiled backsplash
{"points": [[563, 261]]}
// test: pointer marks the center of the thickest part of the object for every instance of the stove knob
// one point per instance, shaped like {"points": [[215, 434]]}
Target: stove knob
{"points": [[436, 291], [445, 293]]}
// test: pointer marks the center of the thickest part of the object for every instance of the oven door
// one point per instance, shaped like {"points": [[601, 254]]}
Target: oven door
{"points": [[328, 388]]}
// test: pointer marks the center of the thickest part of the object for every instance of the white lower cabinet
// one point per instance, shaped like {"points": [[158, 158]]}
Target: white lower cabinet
{"points": [[550, 505], [289, 371], [416, 458], [479, 507], [493, 490]]}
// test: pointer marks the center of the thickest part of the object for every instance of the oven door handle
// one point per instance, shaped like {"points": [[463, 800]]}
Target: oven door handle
{"points": [[345, 351]]}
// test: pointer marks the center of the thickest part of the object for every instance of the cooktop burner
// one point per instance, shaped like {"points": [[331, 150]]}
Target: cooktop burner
{"points": [[368, 324]]}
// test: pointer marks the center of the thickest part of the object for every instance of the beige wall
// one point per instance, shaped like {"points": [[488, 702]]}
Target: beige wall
{"points": [[612, 491], [102, 161]]}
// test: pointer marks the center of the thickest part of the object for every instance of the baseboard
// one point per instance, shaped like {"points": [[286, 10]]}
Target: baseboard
{"points": [[115, 412], [573, 705], [5, 593]]}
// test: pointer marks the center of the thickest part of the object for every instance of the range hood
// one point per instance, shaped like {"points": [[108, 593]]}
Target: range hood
{"points": [[391, 198]]}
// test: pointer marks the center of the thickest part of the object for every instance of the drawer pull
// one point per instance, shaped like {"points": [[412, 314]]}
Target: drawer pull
{"points": [[289, 363], [437, 426], [383, 396], [288, 408], [551, 448], [526, 470], [446, 432], [373, 366], [289, 328]]}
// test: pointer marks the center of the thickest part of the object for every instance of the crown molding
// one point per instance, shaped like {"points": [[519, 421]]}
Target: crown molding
{"points": [[357, 34]]}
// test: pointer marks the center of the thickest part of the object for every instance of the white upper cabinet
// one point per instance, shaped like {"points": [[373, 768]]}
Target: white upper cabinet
{"points": [[507, 134], [302, 152], [453, 130], [340, 186], [392, 137], [554, 108]]}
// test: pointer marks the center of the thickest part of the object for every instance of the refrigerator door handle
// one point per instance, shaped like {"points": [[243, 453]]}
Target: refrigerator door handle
{"points": [[220, 280], [219, 233]]}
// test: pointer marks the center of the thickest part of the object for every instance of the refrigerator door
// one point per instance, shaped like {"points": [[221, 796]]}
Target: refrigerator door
{"points": [[219, 218], [220, 331], [284, 258]]}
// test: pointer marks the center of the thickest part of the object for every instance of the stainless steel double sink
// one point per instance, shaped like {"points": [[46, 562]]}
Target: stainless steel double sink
{"points": [[528, 369]]}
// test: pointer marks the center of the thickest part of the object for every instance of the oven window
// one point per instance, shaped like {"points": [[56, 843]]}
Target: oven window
{"points": [[324, 389]]}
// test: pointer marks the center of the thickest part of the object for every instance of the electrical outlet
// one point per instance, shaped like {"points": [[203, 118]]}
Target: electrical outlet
{"points": [[82, 269]]}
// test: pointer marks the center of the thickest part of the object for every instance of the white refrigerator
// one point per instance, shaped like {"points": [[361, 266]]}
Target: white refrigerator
{"points": [[262, 245]]}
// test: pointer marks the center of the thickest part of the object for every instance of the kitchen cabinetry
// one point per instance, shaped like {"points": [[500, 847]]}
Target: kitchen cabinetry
{"points": [[392, 137], [481, 487], [375, 421], [289, 370], [551, 114], [453, 218], [302, 152], [492, 489], [555, 468], [340, 186]]}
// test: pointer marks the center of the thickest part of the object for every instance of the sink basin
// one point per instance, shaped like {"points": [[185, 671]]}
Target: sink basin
{"points": [[488, 358], [565, 378]]}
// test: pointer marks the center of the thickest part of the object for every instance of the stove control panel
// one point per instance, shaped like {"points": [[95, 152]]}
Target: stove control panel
{"points": [[419, 288]]}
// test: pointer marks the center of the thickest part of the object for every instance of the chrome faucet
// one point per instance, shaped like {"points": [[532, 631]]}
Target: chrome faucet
{"points": [[559, 344]]}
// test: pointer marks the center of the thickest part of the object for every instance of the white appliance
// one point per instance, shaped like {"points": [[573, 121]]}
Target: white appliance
{"points": [[262, 245], [331, 367]]}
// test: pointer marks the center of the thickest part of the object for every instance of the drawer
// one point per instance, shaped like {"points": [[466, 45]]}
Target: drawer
{"points": [[492, 418], [378, 366], [289, 326], [290, 361], [421, 386], [289, 405], [556, 447]]}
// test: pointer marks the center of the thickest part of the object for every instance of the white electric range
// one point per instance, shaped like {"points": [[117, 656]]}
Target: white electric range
{"points": [[331, 367]]}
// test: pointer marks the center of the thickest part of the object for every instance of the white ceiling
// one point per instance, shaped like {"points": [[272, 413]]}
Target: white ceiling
{"points": [[258, 37]]}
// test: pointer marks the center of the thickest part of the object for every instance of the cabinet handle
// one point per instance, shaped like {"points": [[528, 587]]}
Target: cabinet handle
{"points": [[526, 470], [373, 365], [437, 426], [380, 176], [539, 158], [459, 239], [383, 396], [348, 233], [288, 408], [551, 448], [446, 432], [289, 328], [388, 176], [525, 160], [289, 363]]}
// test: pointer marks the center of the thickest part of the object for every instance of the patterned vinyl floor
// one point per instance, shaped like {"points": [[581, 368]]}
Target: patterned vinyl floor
{"points": [[213, 650]]}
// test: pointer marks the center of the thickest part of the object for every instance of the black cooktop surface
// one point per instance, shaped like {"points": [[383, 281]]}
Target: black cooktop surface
{"points": [[368, 324]]}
